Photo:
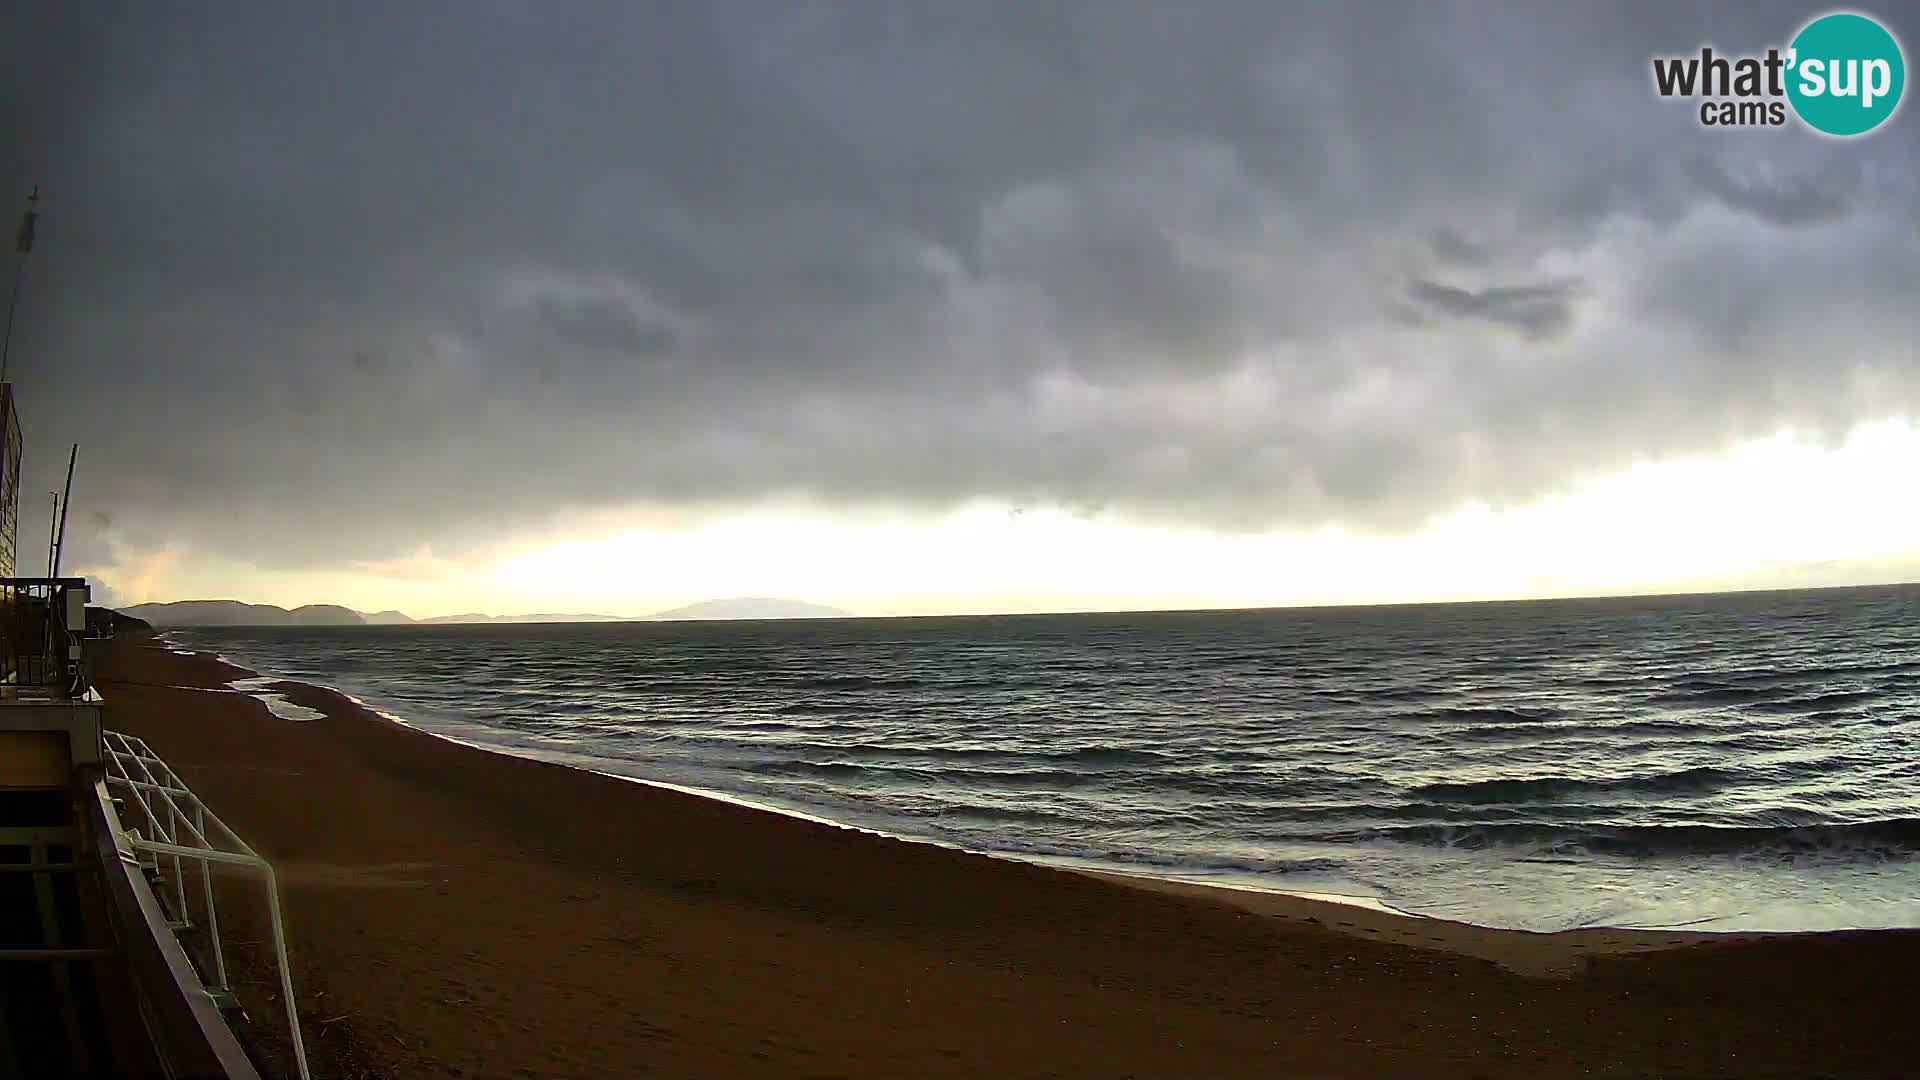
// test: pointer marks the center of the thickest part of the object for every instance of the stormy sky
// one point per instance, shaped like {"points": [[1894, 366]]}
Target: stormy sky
{"points": [[322, 288]]}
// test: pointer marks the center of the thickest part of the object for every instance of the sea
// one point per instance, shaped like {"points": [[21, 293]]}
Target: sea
{"points": [[1725, 762]]}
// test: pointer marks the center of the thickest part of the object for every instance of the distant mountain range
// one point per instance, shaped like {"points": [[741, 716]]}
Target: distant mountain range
{"points": [[751, 607], [477, 618], [235, 613]]}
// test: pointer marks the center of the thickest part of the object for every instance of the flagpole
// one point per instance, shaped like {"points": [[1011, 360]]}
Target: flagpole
{"points": [[25, 246]]}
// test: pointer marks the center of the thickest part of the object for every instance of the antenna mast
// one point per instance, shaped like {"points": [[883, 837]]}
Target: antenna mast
{"points": [[23, 243], [66, 505]]}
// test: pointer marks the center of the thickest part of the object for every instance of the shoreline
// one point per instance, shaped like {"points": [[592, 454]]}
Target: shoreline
{"points": [[288, 691], [1555, 953], [272, 688], [1347, 914], [460, 913]]}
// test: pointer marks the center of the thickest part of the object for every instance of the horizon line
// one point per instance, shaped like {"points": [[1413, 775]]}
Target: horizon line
{"points": [[655, 616]]}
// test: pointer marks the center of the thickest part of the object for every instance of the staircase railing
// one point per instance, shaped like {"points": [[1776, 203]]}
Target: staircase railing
{"points": [[170, 822]]}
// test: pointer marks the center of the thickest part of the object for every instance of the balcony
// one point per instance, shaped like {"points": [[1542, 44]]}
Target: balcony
{"points": [[43, 624]]}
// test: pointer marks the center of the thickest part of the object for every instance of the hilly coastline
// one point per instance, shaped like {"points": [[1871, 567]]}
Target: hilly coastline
{"points": [[237, 613]]}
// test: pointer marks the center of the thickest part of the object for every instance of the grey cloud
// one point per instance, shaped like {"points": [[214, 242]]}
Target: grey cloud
{"points": [[1538, 311], [1782, 200], [1449, 244], [605, 326], [317, 287]]}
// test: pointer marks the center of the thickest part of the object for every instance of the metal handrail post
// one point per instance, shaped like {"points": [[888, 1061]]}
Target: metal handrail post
{"points": [[213, 915], [179, 872], [286, 969]]}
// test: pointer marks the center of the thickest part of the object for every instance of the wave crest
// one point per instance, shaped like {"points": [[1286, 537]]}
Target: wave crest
{"points": [[1548, 788]]}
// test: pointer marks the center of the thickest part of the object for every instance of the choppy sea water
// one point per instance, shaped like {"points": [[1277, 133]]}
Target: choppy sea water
{"points": [[1746, 761]]}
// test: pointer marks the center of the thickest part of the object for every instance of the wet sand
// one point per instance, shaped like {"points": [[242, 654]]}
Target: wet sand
{"points": [[456, 912]]}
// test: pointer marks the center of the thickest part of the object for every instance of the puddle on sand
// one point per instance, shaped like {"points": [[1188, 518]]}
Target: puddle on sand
{"points": [[276, 703]]}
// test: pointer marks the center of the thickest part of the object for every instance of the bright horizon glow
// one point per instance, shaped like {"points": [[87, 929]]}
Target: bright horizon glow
{"points": [[1779, 512]]}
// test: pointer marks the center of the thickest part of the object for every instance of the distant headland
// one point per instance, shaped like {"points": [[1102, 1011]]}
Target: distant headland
{"points": [[236, 613]]}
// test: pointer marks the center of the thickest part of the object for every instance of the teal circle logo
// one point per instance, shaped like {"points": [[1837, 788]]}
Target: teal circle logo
{"points": [[1845, 74]]}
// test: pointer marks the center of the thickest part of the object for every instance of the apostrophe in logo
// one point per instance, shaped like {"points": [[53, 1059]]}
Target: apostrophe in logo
{"points": [[1843, 75], [1846, 74]]}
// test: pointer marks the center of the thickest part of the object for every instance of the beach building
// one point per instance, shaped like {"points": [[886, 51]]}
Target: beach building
{"points": [[111, 962]]}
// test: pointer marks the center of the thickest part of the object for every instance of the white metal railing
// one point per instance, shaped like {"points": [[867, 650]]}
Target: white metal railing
{"points": [[184, 830]]}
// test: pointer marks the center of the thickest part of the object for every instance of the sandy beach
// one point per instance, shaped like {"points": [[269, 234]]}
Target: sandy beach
{"points": [[456, 912]]}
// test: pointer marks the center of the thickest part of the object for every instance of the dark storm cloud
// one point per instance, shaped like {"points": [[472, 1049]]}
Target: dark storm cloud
{"points": [[319, 286]]}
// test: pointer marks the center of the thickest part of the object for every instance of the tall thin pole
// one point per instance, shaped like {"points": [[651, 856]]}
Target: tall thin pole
{"points": [[53, 523], [66, 505], [13, 302], [23, 244]]}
